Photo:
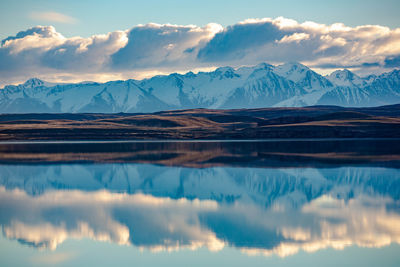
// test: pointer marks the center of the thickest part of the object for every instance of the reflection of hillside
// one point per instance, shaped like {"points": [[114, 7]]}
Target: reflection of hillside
{"points": [[306, 153], [160, 223]]}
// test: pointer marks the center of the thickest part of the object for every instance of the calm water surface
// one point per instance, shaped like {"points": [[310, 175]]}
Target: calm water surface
{"points": [[291, 203]]}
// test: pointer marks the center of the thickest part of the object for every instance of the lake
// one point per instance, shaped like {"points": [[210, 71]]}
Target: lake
{"points": [[321, 202]]}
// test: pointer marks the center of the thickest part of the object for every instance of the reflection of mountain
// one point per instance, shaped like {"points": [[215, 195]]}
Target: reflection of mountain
{"points": [[260, 185]]}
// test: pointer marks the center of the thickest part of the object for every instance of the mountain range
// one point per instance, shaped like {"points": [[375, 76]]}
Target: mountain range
{"points": [[263, 85]]}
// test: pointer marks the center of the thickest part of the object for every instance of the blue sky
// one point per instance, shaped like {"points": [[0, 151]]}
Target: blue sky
{"points": [[105, 40], [101, 16]]}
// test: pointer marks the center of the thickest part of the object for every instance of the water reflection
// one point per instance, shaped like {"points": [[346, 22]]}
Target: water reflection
{"points": [[160, 223], [278, 153], [264, 211]]}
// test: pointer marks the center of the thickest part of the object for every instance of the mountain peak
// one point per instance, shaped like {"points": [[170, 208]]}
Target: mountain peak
{"points": [[264, 66], [294, 66], [345, 73], [224, 69], [227, 72], [293, 71], [190, 74], [33, 82], [345, 78]]}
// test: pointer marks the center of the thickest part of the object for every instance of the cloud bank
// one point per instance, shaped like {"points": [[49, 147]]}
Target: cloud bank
{"points": [[162, 48]]}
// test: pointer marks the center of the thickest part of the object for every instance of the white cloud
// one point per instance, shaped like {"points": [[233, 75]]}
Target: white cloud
{"points": [[52, 16], [280, 40], [162, 48], [295, 37], [156, 45], [42, 38]]}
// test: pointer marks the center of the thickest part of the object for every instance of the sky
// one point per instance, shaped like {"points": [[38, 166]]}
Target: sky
{"points": [[104, 40]]}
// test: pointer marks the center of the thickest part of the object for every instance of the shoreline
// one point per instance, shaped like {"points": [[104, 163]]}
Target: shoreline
{"points": [[116, 141]]}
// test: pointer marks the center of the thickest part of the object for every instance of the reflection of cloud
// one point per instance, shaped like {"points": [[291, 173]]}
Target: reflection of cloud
{"points": [[159, 223], [358, 222], [52, 16], [50, 219], [363, 222], [52, 259], [50, 236]]}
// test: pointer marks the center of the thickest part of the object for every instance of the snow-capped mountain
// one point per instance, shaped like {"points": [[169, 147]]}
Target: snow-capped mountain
{"points": [[346, 78], [370, 91], [303, 76], [263, 85]]}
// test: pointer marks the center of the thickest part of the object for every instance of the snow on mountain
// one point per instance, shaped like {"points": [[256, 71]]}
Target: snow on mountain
{"points": [[262, 88], [303, 76], [372, 91], [345, 78], [314, 84], [33, 82], [263, 85], [292, 71]]}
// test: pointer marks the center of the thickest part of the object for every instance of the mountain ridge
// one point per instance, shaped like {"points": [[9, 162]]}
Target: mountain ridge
{"points": [[263, 85]]}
